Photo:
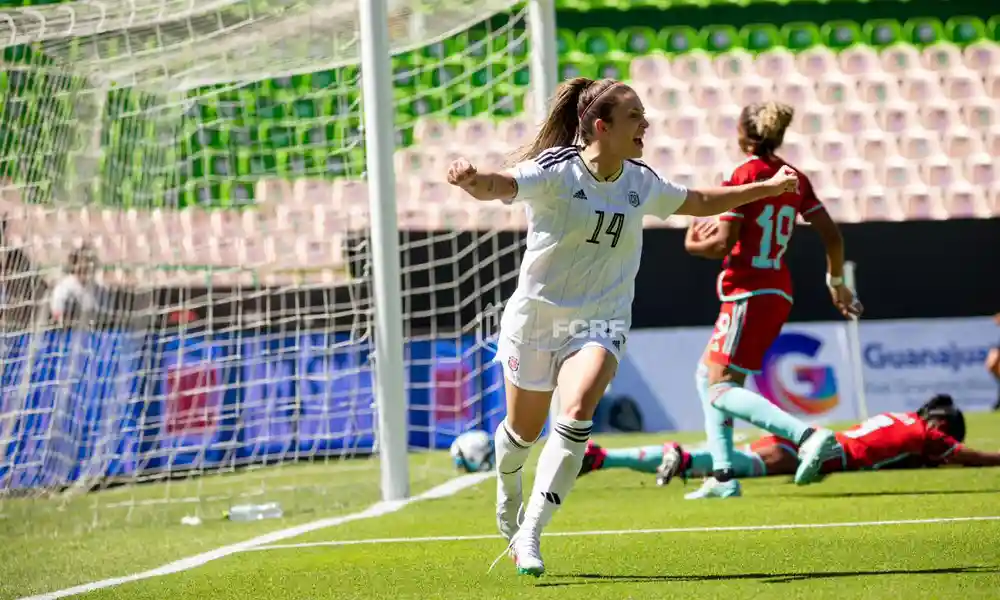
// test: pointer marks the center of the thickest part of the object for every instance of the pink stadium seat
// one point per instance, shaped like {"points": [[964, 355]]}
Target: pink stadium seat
{"points": [[775, 63], [796, 90], [813, 120], [733, 64], [818, 173], [457, 216], [670, 95], [350, 192], [980, 113], [858, 60], [839, 203], [896, 117], [918, 145], [474, 131], [431, 131], [854, 175], [515, 131], [961, 142], [993, 200], [650, 68], [921, 202], [816, 62], [992, 140], [900, 58], [272, 190], [919, 85], [875, 146], [311, 191], [981, 170], [722, 122], [878, 87], [878, 204], [941, 57], [750, 90], [965, 201], [664, 154], [938, 172], [710, 94], [688, 123], [833, 147], [938, 115], [963, 85], [836, 89], [897, 172], [981, 56], [683, 174], [992, 83], [693, 66], [495, 160], [705, 151], [854, 118], [795, 149], [659, 125]]}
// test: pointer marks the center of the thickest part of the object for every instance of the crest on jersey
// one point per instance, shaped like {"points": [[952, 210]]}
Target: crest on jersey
{"points": [[633, 198], [512, 363]]}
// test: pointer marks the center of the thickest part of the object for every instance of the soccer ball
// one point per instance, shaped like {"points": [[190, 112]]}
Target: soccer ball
{"points": [[472, 452]]}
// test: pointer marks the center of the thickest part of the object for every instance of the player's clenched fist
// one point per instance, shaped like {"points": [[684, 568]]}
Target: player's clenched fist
{"points": [[786, 180], [461, 173]]}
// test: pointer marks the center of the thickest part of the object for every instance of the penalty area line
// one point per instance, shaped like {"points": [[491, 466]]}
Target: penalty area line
{"points": [[465, 538], [449, 488]]}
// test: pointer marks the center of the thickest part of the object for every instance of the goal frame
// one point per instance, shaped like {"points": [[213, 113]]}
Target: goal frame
{"points": [[389, 368]]}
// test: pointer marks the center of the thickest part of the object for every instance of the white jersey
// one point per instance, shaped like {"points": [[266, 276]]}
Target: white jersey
{"points": [[584, 245]]}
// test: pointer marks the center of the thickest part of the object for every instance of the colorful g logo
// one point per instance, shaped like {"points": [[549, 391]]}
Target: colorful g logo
{"points": [[821, 380]]}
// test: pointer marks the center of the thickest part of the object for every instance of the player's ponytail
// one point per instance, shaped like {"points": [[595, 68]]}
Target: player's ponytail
{"points": [[575, 106], [763, 126]]}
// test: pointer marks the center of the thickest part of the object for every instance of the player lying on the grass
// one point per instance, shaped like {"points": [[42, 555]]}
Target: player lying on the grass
{"points": [[930, 437]]}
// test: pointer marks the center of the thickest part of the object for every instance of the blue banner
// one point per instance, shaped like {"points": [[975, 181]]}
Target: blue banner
{"points": [[120, 404]]}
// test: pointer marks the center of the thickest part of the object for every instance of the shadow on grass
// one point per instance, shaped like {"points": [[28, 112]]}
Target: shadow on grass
{"points": [[594, 578], [868, 494]]}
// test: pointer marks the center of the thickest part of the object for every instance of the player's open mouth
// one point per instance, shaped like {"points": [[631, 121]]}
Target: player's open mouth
{"points": [[637, 141]]}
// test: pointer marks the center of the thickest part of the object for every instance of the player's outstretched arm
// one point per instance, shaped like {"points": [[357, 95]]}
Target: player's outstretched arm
{"points": [[706, 202], [481, 186], [968, 457], [829, 232]]}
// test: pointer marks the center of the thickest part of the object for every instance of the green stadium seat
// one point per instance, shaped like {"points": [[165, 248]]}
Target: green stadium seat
{"points": [[841, 34], [521, 74], [880, 33], [468, 101], [613, 69], [993, 29], [719, 38], [637, 40], [477, 44], [965, 30], [800, 36], [566, 42], [577, 65], [760, 37], [597, 41], [923, 31], [443, 74], [678, 40], [507, 100], [515, 44], [405, 70], [412, 106]]}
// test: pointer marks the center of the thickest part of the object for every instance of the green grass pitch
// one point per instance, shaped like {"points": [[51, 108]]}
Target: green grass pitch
{"points": [[619, 536]]}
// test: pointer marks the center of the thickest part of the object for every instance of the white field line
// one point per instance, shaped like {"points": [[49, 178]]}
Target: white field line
{"points": [[463, 538], [444, 490]]}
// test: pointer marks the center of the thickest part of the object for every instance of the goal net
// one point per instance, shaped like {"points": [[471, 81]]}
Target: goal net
{"points": [[211, 155]]}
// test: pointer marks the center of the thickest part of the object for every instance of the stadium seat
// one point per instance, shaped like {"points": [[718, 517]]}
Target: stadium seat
{"points": [[835, 89], [775, 63], [875, 146], [981, 56], [878, 204], [965, 201], [854, 118], [918, 145], [816, 62], [877, 87], [941, 57], [735, 64], [938, 172], [897, 172], [961, 142], [921, 202], [760, 37], [858, 60], [923, 31], [651, 68], [840, 34], [899, 58]]}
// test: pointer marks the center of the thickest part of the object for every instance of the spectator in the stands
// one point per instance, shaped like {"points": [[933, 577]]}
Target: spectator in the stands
{"points": [[78, 295], [21, 286]]}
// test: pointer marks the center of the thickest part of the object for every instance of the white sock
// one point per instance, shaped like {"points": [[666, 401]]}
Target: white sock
{"points": [[558, 467], [511, 452]]}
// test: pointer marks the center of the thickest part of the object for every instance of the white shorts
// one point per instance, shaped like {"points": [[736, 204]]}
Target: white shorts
{"points": [[531, 368]]}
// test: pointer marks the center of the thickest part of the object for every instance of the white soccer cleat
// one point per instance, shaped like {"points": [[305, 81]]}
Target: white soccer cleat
{"points": [[510, 512], [819, 447], [713, 488], [670, 466], [526, 552]]}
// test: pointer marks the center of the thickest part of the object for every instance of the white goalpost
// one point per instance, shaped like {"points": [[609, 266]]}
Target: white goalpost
{"points": [[283, 281]]}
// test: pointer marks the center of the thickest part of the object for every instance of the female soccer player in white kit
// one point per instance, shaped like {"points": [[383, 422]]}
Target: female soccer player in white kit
{"points": [[567, 321]]}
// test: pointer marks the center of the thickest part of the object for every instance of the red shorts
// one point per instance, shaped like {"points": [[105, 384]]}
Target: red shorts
{"points": [[746, 329], [768, 441]]}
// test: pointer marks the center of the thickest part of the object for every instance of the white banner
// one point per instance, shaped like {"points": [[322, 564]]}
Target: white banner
{"points": [[805, 372], [906, 362]]}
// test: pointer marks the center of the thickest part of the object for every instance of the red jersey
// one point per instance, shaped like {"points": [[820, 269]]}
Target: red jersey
{"points": [[891, 437], [755, 265]]}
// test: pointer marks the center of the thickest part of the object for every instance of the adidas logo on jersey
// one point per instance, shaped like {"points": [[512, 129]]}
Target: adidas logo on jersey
{"points": [[579, 195]]}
